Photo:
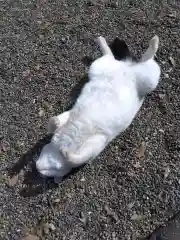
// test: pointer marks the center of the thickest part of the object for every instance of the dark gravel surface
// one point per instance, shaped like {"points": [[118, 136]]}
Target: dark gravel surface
{"points": [[171, 230], [129, 190]]}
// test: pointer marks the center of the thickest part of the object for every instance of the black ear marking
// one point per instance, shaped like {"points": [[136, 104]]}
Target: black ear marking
{"points": [[120, 50]]}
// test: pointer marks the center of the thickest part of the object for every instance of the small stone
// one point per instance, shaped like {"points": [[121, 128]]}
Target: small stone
{"points": [[63, 40], [41, 113], [13, 181], [39, 22], [137, 165], [172, 15], [169, 70], [111, 214], [166, 172], [34, 101], [141, 150], [131, 205], [19, 145], [83, 218], [162, 96], [26, 73], [172, 61], [150, 154], [41, 36], [136, 217], [52, 227], [166, 75], [161, 130], [47, 227], [37, 67], [46, 105], [57, 200], [3, 147], [82, 179]]}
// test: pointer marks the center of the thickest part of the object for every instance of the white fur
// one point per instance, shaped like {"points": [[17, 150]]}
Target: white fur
{"points": [[106, 107]]}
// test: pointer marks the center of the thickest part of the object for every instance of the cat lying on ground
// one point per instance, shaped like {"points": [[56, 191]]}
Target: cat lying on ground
{"points": [[106, 107]]}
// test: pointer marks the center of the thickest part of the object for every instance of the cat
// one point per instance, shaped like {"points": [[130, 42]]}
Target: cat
{"points": [[105, 108]]}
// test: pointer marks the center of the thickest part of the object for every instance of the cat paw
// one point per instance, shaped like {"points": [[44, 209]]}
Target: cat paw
{"points": [[53, 124], [72, 158]]}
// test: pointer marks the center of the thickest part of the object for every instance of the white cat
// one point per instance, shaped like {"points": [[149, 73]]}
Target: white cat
{"points": [[106, 107]]}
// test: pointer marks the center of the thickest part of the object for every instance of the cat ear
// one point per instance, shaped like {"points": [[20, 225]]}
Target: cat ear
{"points": [[89, 150], [101, 41], [152, 49]]}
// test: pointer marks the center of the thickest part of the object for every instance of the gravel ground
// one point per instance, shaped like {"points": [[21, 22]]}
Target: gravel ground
{"points": [[133, 187]]}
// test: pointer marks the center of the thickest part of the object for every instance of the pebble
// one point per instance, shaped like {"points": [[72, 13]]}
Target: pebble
{"points": [[111, 213], [166, 75], [136, 217], [48, 226], [162, 96], [41, 113], [13, 181], [83, 218], [57, 200], [63, 40], [172, 61], [166, 172], [131, 205], [82, 179]]}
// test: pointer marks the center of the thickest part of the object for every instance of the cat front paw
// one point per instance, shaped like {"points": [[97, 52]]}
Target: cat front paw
{"points": [[53, 124]]}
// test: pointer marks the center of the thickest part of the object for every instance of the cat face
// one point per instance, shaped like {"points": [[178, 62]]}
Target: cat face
{"points": [[51, 162]]}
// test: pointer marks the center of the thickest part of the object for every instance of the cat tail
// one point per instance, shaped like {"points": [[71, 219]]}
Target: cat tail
{"points": [[152, 49]]}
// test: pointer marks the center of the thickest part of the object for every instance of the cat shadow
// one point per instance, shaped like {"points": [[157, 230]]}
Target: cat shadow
{"points": [[32, 179], [33, 183], [75, 92]]}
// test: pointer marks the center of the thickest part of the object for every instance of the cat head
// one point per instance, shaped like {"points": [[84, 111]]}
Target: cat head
{"points": [[51, 162]]}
